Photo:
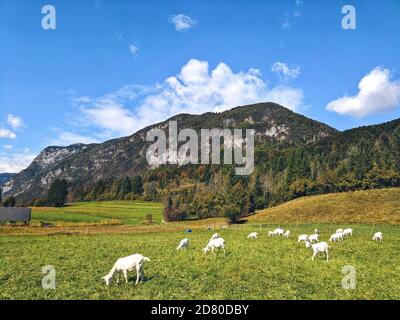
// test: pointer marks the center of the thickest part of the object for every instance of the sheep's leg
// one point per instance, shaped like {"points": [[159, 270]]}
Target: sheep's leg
{"points": [[141, 274], [125, 272], [313, 256], [223, 248], [138, 267], [117, 277], [327, 256]]}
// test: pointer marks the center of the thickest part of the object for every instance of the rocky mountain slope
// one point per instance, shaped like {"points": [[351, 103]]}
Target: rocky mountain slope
{"points": [[4, 177], [83, 164]]}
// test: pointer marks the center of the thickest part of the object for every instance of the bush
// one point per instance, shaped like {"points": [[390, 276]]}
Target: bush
{"points": [[40, 203], [9, 202], [148, 219], [174, 214], [232, 214]]}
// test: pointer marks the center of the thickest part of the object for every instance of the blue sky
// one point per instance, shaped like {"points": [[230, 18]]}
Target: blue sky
{"points": [[112, 67]]}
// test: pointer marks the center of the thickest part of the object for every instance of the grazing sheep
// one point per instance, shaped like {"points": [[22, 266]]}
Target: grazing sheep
{"points": [[316, 231], [253, 235], [279, 231], [318, 247], [127, 264], [378, 236], [224, 227], [215, 236], [313, 237], [348, 232], [302, 237], [339, 231], [336, 237], [183, 244], [287, 234], [215, 243], [273, 233]]}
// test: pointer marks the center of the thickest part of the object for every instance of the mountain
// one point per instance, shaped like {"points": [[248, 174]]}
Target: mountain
{"points": [[83, 164], [294, 156], [4, 177]]}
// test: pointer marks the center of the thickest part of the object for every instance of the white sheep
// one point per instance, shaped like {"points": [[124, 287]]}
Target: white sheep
{"points": [[224, 227], [279, 231], [348, 232], [127, 264], [316, 231], [318, 247], [313, 238], [336, 237], [214, 236], [253, 235], [273, 233], [339, 231], [302, 237], [378, 236], [183, 244], [287, 234], [215, 243]]}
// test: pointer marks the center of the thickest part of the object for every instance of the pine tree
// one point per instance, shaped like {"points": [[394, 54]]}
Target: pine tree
{"points": [[126, 186], [58, 193], [137, 185]]}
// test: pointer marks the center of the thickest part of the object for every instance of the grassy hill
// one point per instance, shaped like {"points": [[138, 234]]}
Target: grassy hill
{"points": [[369, 206]]}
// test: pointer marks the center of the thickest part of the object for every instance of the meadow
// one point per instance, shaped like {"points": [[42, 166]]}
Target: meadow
{"points": [[265, 268], [98, 212], [88, 237]]}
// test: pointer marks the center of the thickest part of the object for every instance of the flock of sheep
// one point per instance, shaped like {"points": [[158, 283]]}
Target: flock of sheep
{"points": [[136, 261]]}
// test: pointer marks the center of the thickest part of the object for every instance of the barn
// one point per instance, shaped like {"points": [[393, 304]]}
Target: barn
{"points": [[8, 214]]}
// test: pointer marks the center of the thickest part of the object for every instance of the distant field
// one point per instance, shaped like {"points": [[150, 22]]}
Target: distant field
{"points": [[99, 212], [381, 206], [265, 268]]}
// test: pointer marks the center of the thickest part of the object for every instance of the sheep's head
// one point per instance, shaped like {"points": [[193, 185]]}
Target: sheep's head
{"points": [[107, 279], [206, 249], [308, 244]]}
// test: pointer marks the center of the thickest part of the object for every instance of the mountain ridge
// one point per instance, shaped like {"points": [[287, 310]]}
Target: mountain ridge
{"points": [[86, 164]]}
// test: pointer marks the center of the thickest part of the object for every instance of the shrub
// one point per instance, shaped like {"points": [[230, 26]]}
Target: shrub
{"points": [[9, 202]]}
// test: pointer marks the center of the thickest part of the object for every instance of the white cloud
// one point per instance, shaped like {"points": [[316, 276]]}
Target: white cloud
{"points": [[182, 22], [133, 49], [7, 146], [195, 89], [66, 138], [16, 161], [109, 112], [284, 72], [291, 18], [6, 133], [14, 121], [377, 93]]}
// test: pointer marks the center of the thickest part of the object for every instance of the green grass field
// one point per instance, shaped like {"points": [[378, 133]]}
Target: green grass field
{"points": [[265, 268], [88, 237], [99, 212]]}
